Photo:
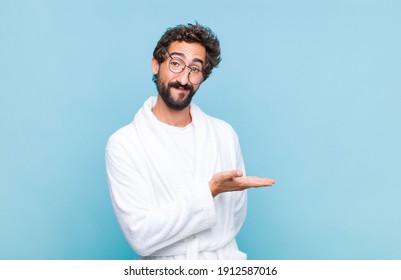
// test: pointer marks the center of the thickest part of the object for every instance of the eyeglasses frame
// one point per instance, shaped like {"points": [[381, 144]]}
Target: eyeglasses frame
{"points": [[185, 66]]}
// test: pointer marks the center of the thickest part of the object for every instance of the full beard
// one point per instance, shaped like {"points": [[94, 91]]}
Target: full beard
{"points": [[165, 93]]}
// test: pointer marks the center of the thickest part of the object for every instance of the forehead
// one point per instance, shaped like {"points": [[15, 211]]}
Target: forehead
{"points": [[189, 51]]}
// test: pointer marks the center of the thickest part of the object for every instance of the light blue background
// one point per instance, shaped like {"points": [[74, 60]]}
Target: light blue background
{"points": [[313, 89]]}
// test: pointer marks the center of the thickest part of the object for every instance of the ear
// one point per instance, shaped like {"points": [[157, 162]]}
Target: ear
{"points": [[155, 66]]}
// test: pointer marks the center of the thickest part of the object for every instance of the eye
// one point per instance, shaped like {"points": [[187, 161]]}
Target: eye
{"points": [[175, 63], [195, 70]]}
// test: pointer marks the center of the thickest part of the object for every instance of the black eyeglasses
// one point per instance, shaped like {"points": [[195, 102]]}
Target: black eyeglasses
{"points": [[177, 65]]}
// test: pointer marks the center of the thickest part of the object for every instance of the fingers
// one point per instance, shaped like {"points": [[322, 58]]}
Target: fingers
{"points": [[253, 181], [265, 181]]}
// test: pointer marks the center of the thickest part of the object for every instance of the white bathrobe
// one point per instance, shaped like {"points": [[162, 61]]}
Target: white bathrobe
{"points": [[164, 207]]}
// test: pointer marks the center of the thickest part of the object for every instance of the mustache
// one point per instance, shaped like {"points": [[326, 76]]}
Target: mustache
{"points": [[178, 85]]}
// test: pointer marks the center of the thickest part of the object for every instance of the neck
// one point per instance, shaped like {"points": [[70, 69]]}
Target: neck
{"points": [[163, 113]]}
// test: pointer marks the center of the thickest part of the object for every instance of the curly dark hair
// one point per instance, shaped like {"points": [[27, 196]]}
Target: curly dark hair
{"points": [[191, 33]]}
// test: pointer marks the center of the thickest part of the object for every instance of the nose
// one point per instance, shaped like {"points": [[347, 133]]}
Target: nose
{"points": [[183, 77]]}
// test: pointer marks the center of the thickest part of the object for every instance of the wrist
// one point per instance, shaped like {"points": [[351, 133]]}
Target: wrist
{"points": [[213, 188]]}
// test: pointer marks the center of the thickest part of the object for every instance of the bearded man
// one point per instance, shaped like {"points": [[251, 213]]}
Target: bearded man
{"points": [[176, 174]]}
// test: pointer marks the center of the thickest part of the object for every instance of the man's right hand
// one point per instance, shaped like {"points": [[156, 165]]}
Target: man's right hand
{"points": [[234, 180]]}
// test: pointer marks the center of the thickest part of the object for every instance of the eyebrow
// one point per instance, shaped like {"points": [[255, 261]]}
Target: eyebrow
{"points": [[183, 56]]}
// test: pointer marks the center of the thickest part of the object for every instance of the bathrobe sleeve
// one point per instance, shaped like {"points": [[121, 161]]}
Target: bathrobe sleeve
{"points": [[240, 209], [149, 226]]}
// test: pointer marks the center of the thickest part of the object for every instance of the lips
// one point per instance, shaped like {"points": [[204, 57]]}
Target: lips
{"points": [[178, 86], [181, 88]]}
